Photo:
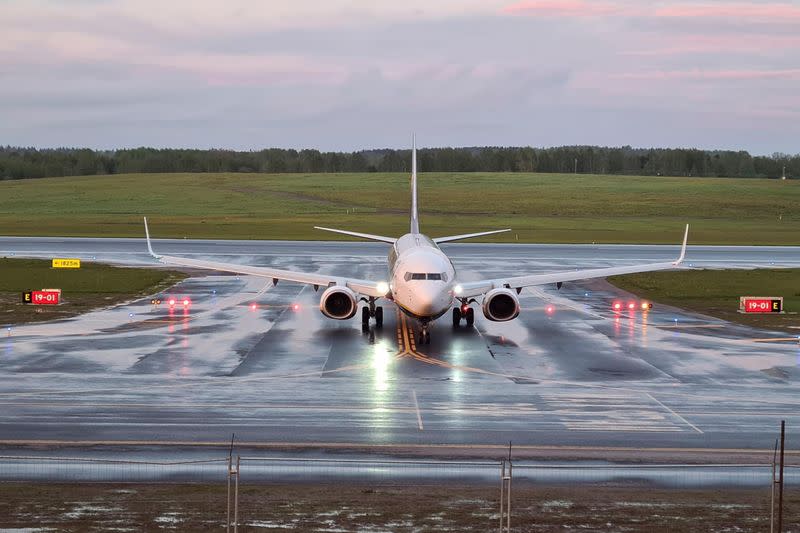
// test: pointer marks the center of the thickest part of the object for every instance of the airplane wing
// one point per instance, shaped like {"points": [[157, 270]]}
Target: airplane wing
{"points": [[450, 238], [369, 236], [477, 288], [365, 287]]}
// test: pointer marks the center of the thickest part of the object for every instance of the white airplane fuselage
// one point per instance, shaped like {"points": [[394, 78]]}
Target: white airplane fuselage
{"points": [[422, 277]]}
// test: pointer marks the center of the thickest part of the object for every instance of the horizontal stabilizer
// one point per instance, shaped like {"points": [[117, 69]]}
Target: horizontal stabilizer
{"points": [[468, 236], [369, 236]]}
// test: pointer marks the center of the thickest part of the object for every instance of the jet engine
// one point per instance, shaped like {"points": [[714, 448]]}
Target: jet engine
{"points": [[500, 305], [338, 302]]}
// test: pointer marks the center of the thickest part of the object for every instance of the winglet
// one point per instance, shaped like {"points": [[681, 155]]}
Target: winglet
{"points": [[147, 236], [683, 248]]}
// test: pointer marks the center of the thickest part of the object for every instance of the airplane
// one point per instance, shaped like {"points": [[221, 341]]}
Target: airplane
{"points": [[422, 281]]}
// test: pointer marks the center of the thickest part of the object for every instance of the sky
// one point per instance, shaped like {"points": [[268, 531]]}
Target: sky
{"points": [[350, 75]]}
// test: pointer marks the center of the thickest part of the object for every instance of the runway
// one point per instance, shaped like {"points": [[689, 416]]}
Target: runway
{"points": [[281, 374]]}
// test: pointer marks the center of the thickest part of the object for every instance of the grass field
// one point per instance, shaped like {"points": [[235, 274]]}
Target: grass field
{"points": [[353, 506], [538, 207], [716, 293], [91, 286]]}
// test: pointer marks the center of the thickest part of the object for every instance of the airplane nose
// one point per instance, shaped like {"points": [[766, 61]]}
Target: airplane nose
{"points": [[430, 301]]}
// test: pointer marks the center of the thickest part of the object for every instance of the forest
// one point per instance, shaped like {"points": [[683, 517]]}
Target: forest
{"points": [[24, 163]]}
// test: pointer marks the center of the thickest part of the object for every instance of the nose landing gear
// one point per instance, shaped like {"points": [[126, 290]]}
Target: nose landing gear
{"points": [[424, 335]]}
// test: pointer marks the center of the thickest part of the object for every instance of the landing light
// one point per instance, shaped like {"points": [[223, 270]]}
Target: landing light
{"points": [[382, 287], [458, 289]]}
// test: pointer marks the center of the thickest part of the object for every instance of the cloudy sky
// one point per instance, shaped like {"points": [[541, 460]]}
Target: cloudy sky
{"points": [[345, 74]]}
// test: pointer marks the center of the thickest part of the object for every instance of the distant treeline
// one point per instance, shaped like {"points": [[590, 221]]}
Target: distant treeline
{"points": [[22, 163]]}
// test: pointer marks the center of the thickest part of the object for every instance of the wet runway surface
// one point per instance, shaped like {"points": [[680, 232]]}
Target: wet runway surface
{"points": [[263, 362]]}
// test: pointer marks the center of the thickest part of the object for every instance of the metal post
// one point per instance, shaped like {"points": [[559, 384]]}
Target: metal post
{"points": [[780, 477], [228, 519], [508, 495], [772, 498], [505, 493], [230, 473], [236, 499], [502, 491]]}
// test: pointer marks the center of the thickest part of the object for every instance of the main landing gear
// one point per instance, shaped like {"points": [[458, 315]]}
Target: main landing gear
{"points": [[371, 311], [464, 312]]}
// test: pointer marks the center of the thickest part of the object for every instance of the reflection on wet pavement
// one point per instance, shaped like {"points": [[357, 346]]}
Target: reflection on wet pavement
{"points": [[259, 360]]}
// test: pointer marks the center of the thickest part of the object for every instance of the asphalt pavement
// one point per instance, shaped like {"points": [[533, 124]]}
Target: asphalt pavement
{"points": [[262, 362]]}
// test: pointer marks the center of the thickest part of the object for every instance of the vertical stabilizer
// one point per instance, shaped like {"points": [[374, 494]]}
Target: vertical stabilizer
{"points": [[414, 217]]}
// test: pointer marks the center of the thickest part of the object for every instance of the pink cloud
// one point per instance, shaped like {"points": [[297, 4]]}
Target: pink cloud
{"points": [[567, 8], [587, 8], [693, 44], [775, 11], [703, 75]]}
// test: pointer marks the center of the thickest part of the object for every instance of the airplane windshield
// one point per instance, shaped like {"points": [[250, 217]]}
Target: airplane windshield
{"points": [[422, 275]]}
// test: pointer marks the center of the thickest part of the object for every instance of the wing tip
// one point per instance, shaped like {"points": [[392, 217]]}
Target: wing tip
{"points": [[683, 246], [147, 237]]}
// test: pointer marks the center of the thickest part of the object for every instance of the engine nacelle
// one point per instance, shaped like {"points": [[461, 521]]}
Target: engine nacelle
{"points": [[500, 305], [338, 302]]}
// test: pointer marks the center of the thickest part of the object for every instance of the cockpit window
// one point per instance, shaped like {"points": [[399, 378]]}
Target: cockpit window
{"points": [[437, 276]]}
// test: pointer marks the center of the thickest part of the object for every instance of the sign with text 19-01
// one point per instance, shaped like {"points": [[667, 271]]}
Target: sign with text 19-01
{"points": [[66, 263], [761, 304], [42, 297]]}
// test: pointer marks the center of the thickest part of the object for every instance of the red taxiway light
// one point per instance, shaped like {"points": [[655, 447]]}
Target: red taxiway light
{"points": [[171, 302], [296, 307], [631, 306], [617, 306], [253, 307], [186, 302]]}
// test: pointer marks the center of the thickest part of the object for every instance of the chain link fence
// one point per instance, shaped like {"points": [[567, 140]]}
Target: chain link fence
{"points": [[280, 469], [357, 494]]}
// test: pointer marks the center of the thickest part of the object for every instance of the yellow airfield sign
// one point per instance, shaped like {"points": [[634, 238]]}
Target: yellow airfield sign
{"points": [[66, 263]]}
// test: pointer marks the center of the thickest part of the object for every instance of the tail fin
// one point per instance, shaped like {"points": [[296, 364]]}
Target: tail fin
{"points": [[414, 216]]}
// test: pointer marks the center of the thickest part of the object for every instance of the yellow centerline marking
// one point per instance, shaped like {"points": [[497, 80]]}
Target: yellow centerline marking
{"points": [[409, 349]]}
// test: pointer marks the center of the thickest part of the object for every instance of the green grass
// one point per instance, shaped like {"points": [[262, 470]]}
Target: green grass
{"points": [[538, 207], [93, 285], [716, 292]]}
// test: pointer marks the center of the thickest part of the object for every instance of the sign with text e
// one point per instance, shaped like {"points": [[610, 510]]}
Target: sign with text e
{"points": [[761, 304], [66, 263], [27, 297]]}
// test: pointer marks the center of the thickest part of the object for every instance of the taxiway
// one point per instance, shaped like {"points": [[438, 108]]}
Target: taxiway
{"points": [[262, 362]]}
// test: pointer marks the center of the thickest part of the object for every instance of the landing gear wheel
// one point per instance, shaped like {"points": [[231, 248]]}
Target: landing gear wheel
{"points": [[365, 316], [470, 317], [456, 317], [424, 336], [379, 317]]}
